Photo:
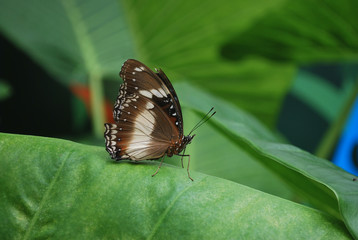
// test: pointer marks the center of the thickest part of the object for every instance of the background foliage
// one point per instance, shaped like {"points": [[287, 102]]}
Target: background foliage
{"points": [[225, 54]]}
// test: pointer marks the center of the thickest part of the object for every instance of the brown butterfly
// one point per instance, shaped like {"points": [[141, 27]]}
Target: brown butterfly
{"points": [[148, 116]]}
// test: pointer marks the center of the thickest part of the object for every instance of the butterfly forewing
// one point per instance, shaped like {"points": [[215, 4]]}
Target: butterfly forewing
{"points": [[147, 114], [170, 87]]}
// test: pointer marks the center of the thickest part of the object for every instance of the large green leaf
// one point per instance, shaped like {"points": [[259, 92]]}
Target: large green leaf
{"points": [[295, 33], [225, 159], [88, 42], [74, 41], [57, 189], [78, 41], [326, 186], [186, 38], [70, 39]]}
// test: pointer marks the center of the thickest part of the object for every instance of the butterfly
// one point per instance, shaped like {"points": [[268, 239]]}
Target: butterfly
{"points": [[148, 116]]}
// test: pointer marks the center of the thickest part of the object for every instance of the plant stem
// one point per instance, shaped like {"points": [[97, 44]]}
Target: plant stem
{"points": [[97, 106], [325, 149], [91, 63]]}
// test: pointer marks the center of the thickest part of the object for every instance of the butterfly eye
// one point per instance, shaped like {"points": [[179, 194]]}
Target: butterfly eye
{"points": [[191, 138]]}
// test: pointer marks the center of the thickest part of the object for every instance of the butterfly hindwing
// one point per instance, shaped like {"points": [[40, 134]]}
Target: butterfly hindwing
{"points": [[129, 144]]}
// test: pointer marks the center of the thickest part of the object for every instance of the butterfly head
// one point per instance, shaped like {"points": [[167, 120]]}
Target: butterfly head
{"points": [[187, 139]]}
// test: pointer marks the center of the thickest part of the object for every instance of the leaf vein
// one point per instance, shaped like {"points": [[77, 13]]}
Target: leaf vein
{"points": [[170, 206], [45, 198]]}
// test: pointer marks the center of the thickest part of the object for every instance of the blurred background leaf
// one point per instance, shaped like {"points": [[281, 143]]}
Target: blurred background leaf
{"points": [[89, 42], [297, 34], [83, 42]]}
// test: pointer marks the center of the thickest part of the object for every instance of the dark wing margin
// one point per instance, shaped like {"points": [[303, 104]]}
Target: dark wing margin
{"points": [[136, 77], [166, 81]]}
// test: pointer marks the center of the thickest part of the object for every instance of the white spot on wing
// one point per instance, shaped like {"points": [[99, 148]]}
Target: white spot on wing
{"points": [[146, 93], [138, 69], [149, 105], [156, 93], [162, 91]]}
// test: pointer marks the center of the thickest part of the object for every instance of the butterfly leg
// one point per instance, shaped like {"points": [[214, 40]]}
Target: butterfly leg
{"points": [[187, 155], [161, 162], [182, 164], [182, 156]]}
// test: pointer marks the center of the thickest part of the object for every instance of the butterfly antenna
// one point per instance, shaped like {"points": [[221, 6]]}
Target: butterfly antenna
{"points": [[203, 120]]}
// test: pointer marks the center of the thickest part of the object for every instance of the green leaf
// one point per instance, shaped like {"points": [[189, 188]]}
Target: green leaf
{"points": [[293, 32], [187, 39], [57, 189], [88, 42], [78, 42], [326, 186], [322, 96], [225, 159], [74, 42], [68, 38]]}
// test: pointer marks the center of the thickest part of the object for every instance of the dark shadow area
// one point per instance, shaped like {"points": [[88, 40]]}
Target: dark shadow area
{"points": [[301, 125], [38, 104]]}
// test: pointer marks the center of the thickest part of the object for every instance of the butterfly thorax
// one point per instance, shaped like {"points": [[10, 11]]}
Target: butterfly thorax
{"points": [[178, 146]]}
